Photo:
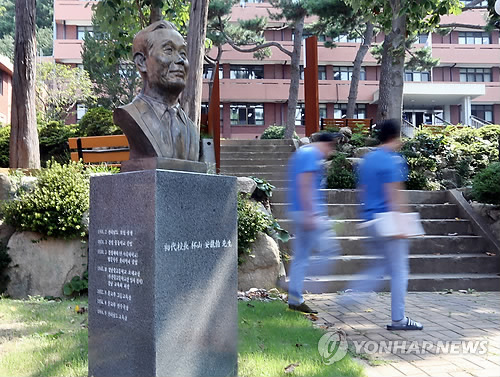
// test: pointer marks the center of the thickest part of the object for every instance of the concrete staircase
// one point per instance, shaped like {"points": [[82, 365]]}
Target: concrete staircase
{"points": [[266, 159], [449, 256]]}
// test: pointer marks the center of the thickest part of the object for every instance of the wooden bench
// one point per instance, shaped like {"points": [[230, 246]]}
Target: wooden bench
{"points": [[365, 125], [96, 149]]}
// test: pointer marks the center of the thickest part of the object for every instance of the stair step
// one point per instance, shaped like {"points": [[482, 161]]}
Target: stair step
{"points": [[351, 211], [351, 197], [258, 148], [419, 264], [233, 142], [254, 169], [267, 155], [416, 282], [434, 226], [419, 245], [233, 162]]}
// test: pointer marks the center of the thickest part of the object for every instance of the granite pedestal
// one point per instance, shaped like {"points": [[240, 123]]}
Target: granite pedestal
{"points": [[163, 275]]}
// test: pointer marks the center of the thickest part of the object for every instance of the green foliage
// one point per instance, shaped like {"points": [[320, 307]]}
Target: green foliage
{"points": [[264, 186], [4, 262], [486, 185], [77, 285], [53, 137], [56, 205], [58, 89], [98, 121], [276, 132], [340, 174], [4, 146], [251, 221]]}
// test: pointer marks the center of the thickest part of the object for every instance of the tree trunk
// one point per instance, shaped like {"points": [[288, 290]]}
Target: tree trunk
{"points": [[356, 71], [390, 102], [156, 11], [293, 92], [191, 97], [24, 146]]}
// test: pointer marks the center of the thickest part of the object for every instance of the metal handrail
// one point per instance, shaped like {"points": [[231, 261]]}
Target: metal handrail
{"points": [[406, 126], [444, 121], [478, 122]]}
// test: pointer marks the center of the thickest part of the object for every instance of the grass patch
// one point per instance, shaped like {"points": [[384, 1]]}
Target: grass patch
{"points": [[48, 338], [272, 337], [43, 338]]}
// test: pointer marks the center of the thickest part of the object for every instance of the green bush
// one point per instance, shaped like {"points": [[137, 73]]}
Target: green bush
{"points": [[340, 174], [251, 221], [276, 132], [53, 137], [4, 146], [56, 205], [98, 122], [77, 285], [486, 185]]}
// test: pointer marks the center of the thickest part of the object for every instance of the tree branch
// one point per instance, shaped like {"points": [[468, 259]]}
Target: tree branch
{"points": [[466, 26], [260, 47]]}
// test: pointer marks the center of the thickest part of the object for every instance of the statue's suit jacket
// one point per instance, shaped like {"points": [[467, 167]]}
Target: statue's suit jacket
{"points": [[149, 136]]}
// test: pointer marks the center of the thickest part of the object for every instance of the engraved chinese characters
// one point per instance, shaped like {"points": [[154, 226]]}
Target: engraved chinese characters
{"points": [[119, 262]]}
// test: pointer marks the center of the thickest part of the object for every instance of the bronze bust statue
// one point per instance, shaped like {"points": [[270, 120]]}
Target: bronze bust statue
{"points": [[155, 125]]}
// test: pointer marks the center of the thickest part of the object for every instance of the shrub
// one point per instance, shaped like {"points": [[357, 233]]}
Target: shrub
{"points": [[276, 132], [486, 185], [98, 122], [4, 146], [53, 138], [251, 221], [56, 205], [77, 285], [340, 174]]}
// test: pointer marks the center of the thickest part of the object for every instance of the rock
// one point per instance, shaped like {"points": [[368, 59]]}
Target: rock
{"points": [[246, 185], [262, 267], [43, 267], [5, 187], [304, 141], [28, 183], [346, 132], [451, 177], [347, 149], [262, 208], [354, 161], [6, 231], [360, 152]]}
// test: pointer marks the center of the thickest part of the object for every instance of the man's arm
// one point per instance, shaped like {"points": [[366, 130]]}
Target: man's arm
{"points": [[397, 200], [305, 182]]}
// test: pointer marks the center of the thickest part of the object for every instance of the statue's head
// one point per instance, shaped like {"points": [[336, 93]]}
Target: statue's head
{"points": [[160, 55]]}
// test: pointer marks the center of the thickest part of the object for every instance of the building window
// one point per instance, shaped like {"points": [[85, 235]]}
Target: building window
{"points": [[322, 111], [345, 73], [417, 76], [475, 74], [340, 111], [484, 112], [348, 39], [300, 115], [247, 114], [479, 5], [81, 30], [207, 72], [247, 72], [321, 72], [306, 34], [474, 38], [422, 38], [81, 109]]}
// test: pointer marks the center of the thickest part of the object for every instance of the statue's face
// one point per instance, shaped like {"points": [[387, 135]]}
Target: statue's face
{"points": [[167, 65]]}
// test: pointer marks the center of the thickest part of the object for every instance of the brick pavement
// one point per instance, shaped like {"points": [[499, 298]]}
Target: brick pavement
{"points": [[456, 319]]}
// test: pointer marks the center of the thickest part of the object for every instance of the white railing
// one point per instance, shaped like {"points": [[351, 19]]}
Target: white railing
{"points": [[407, 129], [476, 122]]}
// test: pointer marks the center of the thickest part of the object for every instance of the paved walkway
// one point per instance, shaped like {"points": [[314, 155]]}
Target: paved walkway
{"points": [[458, 320]]}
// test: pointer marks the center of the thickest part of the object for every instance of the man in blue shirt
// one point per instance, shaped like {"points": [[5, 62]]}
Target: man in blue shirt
{"points": [[381, 177], [308, 212]]}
